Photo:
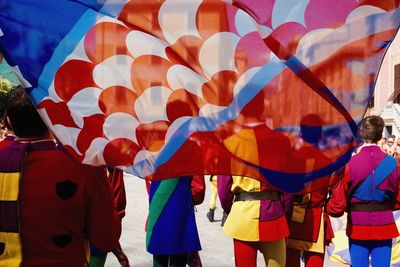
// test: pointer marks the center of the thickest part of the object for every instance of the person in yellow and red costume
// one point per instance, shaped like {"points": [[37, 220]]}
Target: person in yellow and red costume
{"points": [[256, 213]]}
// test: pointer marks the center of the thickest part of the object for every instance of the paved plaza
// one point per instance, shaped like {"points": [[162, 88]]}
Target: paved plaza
{"points": [[217, 247]]}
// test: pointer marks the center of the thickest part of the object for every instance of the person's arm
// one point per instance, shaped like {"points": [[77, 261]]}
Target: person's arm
{"points": [[224, 183], [397, 200], [337, 202], [198, 187], [116, 179], [103, 225]]}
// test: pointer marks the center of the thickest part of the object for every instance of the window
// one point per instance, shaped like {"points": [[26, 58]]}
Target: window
{"points": [[371, 101], [389, 129], [397, 82]]}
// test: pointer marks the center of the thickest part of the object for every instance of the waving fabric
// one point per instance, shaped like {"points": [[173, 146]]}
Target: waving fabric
{"points": [[169, 88]]}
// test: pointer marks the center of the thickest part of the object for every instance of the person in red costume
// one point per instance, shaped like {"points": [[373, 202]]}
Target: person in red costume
{"points": [[98, 257], [310, 227], [51, 205]]}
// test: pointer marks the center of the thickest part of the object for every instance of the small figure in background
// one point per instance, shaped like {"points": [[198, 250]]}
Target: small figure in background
{"points": [[396, 153], [383, 143], [8, 136], [391, 146], [213, 201]]}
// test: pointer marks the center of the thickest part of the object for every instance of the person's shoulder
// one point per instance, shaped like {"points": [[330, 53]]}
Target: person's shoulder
{"points": [[97, 172], [4, 143], [68, 162], [358, 158], [392, 159], [11, 157], [58, 156], [367, 149]]}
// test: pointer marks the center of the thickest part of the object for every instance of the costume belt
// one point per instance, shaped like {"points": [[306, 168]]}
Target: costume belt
{"points": [[263, 195], [371, 206]]}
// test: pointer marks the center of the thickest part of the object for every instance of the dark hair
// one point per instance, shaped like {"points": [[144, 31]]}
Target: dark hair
{"points": [[24, 119], [371, 128], [311, 128]]}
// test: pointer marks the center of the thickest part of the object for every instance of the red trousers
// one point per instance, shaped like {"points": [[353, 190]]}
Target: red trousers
{"points": [[311, 259], [246, 253]]}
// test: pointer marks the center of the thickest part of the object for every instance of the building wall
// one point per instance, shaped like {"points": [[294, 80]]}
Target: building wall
{"points": [[384, 89]]}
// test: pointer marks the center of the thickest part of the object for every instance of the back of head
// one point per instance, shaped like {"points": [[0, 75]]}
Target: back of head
{"points": [[311, 128], [371, 129], [24, 119]]}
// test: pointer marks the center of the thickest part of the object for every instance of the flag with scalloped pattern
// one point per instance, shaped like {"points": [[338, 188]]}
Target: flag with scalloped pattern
{"points": [[176, 87]]}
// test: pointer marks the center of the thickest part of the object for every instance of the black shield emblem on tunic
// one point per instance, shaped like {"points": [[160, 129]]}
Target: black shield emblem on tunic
{"points": [[2, 247], [61, 241], [66, 189]]}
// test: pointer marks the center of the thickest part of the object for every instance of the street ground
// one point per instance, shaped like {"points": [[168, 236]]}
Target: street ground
{"points": [[217, 247]]}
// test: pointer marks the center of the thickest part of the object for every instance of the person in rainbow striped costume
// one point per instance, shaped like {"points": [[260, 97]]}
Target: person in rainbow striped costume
{"points": [[171, 232]]}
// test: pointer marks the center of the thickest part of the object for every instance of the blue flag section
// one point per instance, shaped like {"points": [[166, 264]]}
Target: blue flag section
{"points": [[33, 30]]}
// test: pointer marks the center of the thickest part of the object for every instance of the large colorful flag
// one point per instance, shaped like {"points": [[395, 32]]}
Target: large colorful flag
{"points": [[169, 88]]}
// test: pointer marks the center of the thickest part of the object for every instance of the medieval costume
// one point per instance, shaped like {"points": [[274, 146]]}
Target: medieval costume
{"points": [[310, 227], [98, 257], [256, 213], [369, 191], [51, 206], [7, 140], [171, 228]]}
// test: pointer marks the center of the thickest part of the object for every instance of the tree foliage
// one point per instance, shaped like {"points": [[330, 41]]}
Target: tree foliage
{"points": [[5, 87]]}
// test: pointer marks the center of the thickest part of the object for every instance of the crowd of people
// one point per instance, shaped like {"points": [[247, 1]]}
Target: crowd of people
{"points": [[55, 211], [390, 145]]}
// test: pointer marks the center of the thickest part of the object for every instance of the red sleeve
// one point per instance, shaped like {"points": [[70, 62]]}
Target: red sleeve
{"points": [[198, 189], [103, 224], [397, 202], [337, 203], [117, 184]]}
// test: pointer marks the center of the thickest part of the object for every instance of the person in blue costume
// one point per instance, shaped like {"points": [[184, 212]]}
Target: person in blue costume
{"points": [[172, 234]]}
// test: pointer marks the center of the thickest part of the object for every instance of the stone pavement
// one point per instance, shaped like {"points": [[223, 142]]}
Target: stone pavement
{"points": [[217, 247]]}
